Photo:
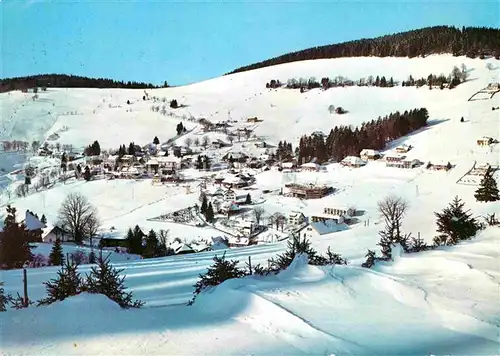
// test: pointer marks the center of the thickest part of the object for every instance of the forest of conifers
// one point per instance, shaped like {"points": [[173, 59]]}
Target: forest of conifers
{"points": [[66, 81], [469, 41]]}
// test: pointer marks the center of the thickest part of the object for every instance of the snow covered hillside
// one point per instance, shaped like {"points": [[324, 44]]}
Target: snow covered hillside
{"points": [[444, 301]]}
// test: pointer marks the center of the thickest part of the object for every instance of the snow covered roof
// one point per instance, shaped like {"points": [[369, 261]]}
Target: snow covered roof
{"points": [[353, 160], [311, 165], [233, 180], [287, 164], [183, 248], [219, 245], [168, 159], [369, 152], [327, 227], [152, 162], [296, 214], [238, 240], [32, 222]]}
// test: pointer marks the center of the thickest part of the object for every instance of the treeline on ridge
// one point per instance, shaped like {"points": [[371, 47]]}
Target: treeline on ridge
{"points": [[68, 81], [469, 41], [345, 141]]}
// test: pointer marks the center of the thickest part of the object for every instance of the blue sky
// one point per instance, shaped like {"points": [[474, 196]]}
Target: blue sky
{"points": [[188, 41]]}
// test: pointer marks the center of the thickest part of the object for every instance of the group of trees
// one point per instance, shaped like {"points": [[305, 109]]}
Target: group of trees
{"points": [[15, 145], [284, 151], [148, 246], [345, 141], [93, 149], [180, 129], [470, 41], [124, 150], [454, 224], [455, 78], [67, 81], [202, 162], [223, 269], [207, 209]]}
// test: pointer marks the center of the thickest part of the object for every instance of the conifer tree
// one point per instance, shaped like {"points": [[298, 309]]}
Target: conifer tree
{"points": [[488, 190], [248, 199], [86, 173], [43, 219], [68, 283], [455, 224], [156, 141], [15, 250], [105, 279], [4, 299], [210, 213], [56, 257], [370, 259], [204, 205], [219, 272], [151, 248]]}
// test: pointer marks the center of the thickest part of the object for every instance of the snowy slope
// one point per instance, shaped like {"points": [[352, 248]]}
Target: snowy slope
{"points": [[448, 297]]}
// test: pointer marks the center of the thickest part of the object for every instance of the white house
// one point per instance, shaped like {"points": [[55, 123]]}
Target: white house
{"points": [[316, 229], [369, 154], [311, 167], [52, 233], [353, 161], [169, 162], [296, 218]]}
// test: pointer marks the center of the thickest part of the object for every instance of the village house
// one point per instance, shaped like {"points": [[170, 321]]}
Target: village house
{"points": [[403, 148], [234, 182], [218, 143], [127, 160], [310, 191], [353, 161], [288, 165], [296, 218], [317, 229], [169, 163], [403, 163], [484, 141], [235, 156], [310, 167], [238, 241], [369, 154], [245, 227], [53, 233], [34, 226], [440, 166]]}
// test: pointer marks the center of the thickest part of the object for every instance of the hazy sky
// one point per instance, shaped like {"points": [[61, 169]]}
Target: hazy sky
{"points": [[187, 41]]}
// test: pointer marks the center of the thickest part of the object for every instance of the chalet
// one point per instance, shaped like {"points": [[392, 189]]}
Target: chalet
{"points": [[310, 167], [369, 154], [229, 208], [130, 172], [183, 249], [169, 163], [34, 226], [403, 148], [394, 158], [404, 163], [53, 233], [484, 141], [440, 166], [288, 165], [316, 229], [219, 144], [263, 144], [111, 160], [230, 195], [127, 159], [296, 218], [239, 241], [253, 119], [245, 227], [353, 161], [152, 165], [235, 157], [234, 182], [308, 191], [218, 192]]}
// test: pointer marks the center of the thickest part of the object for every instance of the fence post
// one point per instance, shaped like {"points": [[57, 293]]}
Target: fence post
{"points": [[25, 282], [250, 264]]}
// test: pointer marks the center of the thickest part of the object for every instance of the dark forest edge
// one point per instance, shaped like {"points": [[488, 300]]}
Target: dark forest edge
{"points": [[69, 81], [469, 41]]}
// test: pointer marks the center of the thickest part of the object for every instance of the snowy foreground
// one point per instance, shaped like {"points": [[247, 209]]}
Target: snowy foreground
{"points": [[439, 302], [445, 301]]}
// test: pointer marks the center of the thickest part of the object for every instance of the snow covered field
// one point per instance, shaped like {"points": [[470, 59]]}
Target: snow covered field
{"points": [[444, 301]]}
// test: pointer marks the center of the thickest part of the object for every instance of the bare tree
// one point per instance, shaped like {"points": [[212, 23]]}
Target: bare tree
{"points": [[392, 209], [196, 141], [204, 141], [78, 216], [21, 190], [230, 138], [188, 141], [258, 211]]}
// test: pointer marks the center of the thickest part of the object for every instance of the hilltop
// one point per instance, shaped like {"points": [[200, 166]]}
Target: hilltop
{"points": [[470, 41]]}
